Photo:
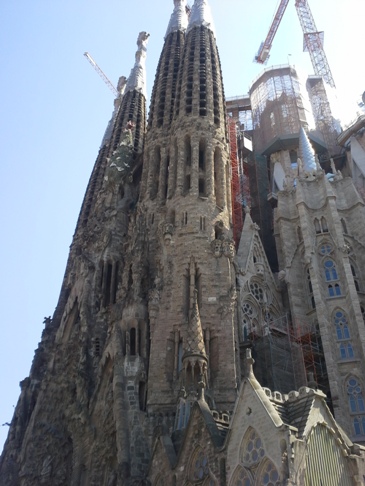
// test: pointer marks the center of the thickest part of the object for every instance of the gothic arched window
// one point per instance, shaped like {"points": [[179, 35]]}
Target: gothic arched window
{"points": [[199, 468], [356, 399], [331, 275], [269, 475], [242, 477], [356, 405], [324, 225], [343, 335], [342, 329], [252, 451], [330, 270]]}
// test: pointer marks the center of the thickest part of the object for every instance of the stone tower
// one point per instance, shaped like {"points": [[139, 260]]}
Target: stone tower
{"points": [[186, 200], [320, 253], [145, 375], [147, 302]]}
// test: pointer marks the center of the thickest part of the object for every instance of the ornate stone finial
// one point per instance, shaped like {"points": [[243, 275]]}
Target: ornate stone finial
{"points": [[137, 78], [247, 209], [201, 15], [318, 165], [179, 18], [333, 167], [311, 381], [249, 362], [306, 152]]}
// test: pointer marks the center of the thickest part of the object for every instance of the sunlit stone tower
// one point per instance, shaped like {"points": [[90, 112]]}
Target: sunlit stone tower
{"points": [[145, 374]]}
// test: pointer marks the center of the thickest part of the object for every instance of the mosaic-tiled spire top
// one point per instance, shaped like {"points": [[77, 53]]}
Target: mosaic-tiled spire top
{"points": [[179, 18], [164, 89], [194, 334], [306, 152], [137, 78], [201, 15]]}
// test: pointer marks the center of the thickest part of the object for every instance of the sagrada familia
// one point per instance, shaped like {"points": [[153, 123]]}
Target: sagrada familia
{"points": [[210, 326]]}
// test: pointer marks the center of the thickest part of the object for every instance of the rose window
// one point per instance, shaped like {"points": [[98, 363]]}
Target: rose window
{"points": [[254, 450], [242, 478], [270, 476], [325, 249], [200, 466], [247, 309], [257, 291]]}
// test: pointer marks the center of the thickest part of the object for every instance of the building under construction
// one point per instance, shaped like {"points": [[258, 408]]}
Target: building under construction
{"points": [[210, 326]]}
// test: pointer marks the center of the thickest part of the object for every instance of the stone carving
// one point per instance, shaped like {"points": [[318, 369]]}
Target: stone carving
{"points": [[217, 248], [167, 230], [229, 249]]}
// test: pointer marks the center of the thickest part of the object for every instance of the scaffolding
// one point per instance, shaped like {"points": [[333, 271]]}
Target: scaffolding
{"points": [[308, 337], [289, 354], [325, 122], [235, 182], [277, 107]]}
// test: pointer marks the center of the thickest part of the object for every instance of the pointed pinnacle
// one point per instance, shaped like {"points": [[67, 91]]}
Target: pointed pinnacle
{"points": [[306, 152], [201, 15], [179, 18], [194, 338], [137, 78]]}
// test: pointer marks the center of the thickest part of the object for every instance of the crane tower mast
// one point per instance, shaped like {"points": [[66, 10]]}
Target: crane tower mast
{"points": [[313, 40]]}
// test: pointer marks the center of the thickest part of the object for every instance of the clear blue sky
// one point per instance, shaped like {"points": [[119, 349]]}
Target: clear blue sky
{"points": [[54, 109]]}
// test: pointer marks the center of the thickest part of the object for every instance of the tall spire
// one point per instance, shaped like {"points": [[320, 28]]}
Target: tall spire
{"points": [[137, 78], [306, 152], [201, 15], [179, 18]]}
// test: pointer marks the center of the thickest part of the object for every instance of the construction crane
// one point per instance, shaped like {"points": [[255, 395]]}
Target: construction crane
{"points": [[101, 74], [313, 40]]}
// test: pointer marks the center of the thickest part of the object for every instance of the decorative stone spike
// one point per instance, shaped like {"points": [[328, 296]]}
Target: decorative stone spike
{"points": [[194, 337], [306, 152]]}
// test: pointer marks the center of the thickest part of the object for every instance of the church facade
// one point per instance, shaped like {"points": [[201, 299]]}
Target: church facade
{"points": [[175, 355]]}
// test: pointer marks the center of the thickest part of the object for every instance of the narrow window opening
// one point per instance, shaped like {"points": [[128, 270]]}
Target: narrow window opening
{"points": [[132, 337], [108, 285], [344, 227], [139, 342], [142, 395], [317, 226], [324, 225], [97, 347], [121, 191], [201, 187], [115, 283], [202, 223]]}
